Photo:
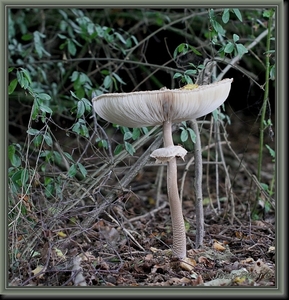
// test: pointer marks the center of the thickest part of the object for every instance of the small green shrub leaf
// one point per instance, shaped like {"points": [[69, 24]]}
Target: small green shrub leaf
{"points": [[229, 48], [127, 136], [48, 139], [45, 108], [226, 15], [129, 148], [80, 109], [44, 96], [241, 49], [72, 171], [13, 157], [82, 169], [118, 149], [71, 47], [32, 131], [12, 86], [24, 176], [238, 14], [192, 135], [184, 135], [107, 81]]}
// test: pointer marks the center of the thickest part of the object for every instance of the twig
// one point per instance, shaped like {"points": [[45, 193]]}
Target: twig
{"points": [[187, 167], [150, 213], [198, 186], [159, 186], [125, 230], [228, 181]]}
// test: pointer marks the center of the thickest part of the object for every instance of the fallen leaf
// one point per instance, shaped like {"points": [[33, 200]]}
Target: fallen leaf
{"points": [[217, 246], [39, 269], [187, 264], [61, 234]]}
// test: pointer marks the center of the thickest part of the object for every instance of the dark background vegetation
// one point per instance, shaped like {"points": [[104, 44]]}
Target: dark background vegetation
{"points": [[59, 60]]}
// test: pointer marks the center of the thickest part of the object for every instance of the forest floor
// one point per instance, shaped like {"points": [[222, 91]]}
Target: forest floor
{"points": [[128, 245]]}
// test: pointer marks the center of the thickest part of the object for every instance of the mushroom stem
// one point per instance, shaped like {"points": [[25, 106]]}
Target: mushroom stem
{"points": [[178, 225]]}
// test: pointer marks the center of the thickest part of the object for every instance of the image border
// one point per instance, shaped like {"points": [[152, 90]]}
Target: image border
{"points": [[281, 163]]}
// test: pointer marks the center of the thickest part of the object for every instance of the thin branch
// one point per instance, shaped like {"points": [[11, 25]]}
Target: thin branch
{"points": [[198, 187]]}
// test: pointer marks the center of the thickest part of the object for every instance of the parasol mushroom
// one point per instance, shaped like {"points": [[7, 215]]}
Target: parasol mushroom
{"points": [[165, 107]]}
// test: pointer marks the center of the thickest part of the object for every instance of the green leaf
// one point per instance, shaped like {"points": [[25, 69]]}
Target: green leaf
{"points": [[229, 48], [24, 177], [61, 36], [72, 171], [190, 72], [184, 135], [48, 139], [218, 27], [87, 104], [26, 37], [37, 140], [32, 131], [12, 86], [135, 133], [71, 47], [35, 110], [74, 76], [38, 44], [84, 131], [192, 135], [235, 37], [102, 143], [107, 81], [241, 49], [57, 157], [272, 72], [271, 151], [129, 148], [26, 74], [177, 75], [226, 16], [73, 95], [118, 149], [268, 13], [13, 157], [45, 109], [68, 156], [19, 75], [195, 51], [127, 135], [83, 78], [145, 130], [182, 48], [82, 169], [187, 79], [80, 109], [76, 128], [120, 37], [238, 14], [118, 78], [44, 96]]}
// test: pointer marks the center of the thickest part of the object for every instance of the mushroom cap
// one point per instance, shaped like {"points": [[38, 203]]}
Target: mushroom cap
{"points": [[150, 108], [166, 154]]}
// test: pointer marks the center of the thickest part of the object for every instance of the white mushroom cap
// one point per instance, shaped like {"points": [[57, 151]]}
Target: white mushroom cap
{"points": [[150, 108], [166, 154]]}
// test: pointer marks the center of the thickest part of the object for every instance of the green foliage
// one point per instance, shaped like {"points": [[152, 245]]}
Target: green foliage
{"points": [[186, 133], [129, 135]]}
